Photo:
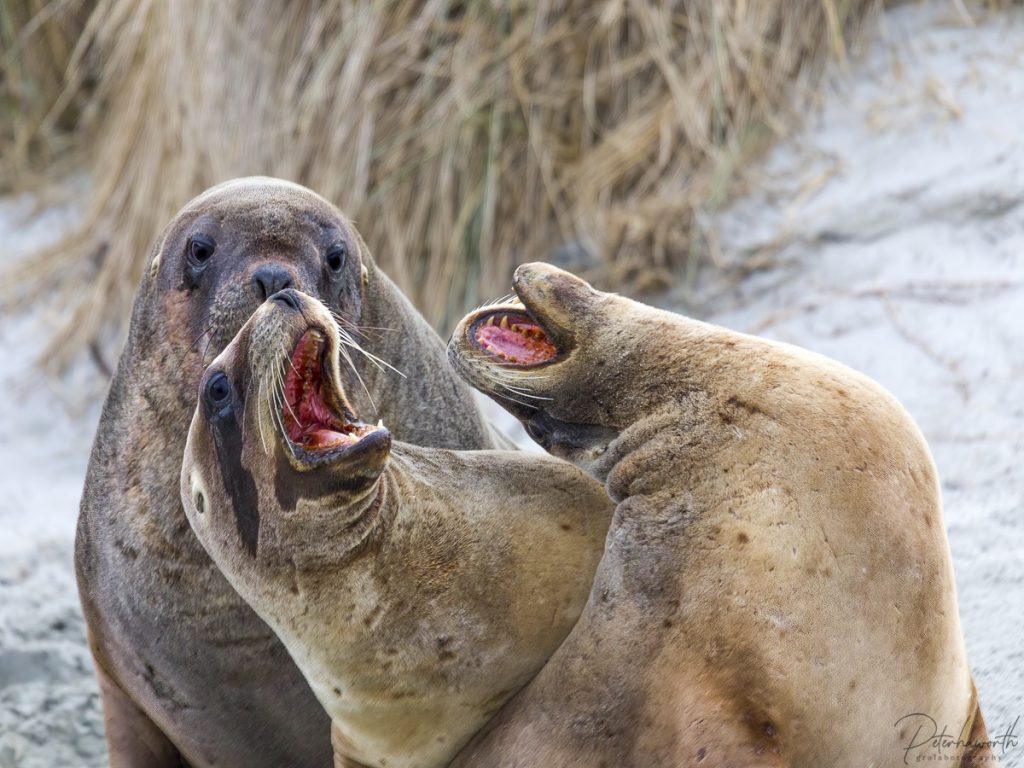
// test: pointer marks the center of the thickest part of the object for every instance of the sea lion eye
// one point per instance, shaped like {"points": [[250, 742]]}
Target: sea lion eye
{"points": [[218, 390], [200, 249], [336, 257]]}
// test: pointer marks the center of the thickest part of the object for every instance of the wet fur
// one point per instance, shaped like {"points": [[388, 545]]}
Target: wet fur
{"points": [[777, 587], [188, 670]]}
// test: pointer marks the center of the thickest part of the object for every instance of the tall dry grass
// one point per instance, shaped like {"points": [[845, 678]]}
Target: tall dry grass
{"points": [[463, 137], [37, 38]]}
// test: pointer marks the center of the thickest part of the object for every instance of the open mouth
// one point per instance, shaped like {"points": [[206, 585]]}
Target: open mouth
{"points": [[513, 338], [314, 417]]}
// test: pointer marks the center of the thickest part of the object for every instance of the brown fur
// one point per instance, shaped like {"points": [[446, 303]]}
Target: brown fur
{"points": [[777, 586], [416, 588], [187, 669]]}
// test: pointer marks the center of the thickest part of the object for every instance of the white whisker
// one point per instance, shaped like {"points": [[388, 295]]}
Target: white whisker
{"points": [[343, 348], [259, 415], [523, 392]]}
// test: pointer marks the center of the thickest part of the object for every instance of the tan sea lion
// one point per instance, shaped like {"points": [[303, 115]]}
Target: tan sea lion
{"points": [[187, 670], [417, 588], [777, 587]]}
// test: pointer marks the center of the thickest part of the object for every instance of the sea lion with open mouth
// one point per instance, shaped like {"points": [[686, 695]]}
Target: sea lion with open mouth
{"points": [[777, 587], [187, 670], [416, 588]]}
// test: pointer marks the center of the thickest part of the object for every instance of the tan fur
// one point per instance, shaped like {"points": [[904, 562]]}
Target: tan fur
{"points": [[188, 671], [777, 586], [417, 591]]}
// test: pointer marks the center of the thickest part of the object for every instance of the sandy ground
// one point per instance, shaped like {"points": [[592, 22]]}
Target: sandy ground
{"points": [[902, 207]]}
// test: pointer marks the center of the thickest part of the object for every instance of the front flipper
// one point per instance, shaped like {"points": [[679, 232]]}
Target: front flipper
{"points": [[341, 746], [133, 739], [978, 752]]}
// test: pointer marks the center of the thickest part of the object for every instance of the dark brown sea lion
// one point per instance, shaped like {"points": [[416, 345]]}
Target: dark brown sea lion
{"points": [[417, 588], [187, 670], [777, 587]]}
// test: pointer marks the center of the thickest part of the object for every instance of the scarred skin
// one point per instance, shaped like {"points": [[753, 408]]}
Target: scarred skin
{"points": [[187, 671], [416, 588], [777, 587]]}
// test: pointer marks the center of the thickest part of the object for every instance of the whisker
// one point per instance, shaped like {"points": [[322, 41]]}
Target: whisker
{"points": [[205, 331], [349, 341], [259, 415], [286, 403], [346, 342], [523, 392], [278, 396], [206, 349], [193, 345], [511, 399], [512, 375], [380, 363]]}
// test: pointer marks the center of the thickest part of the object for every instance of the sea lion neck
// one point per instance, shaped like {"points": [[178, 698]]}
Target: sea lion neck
{"points": [[317, 544], [398, 334]]}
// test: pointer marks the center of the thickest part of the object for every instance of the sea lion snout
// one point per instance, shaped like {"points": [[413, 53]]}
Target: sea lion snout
{"points": [[286, 297], [530, 353], [554, 294], [268, 279]]}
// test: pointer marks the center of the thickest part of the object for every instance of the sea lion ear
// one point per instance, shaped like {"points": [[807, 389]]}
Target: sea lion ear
{"points": [[157, 257], [154, 266], [156, 253], [364, 256]]}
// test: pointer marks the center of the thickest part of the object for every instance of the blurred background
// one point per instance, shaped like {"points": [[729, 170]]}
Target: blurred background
{"points": [[846, 175]]}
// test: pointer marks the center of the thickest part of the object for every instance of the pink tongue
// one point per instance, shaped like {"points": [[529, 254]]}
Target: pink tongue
{"points": [[325, 438], [515, 345]]}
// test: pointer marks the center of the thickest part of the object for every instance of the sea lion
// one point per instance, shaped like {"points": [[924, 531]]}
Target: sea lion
{"points": [[187, 670], [777, 587], [417, 588]]}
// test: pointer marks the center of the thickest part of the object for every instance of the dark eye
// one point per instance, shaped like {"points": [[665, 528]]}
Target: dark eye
{"points": [[200, 249], [336, 257], [218, 389]]}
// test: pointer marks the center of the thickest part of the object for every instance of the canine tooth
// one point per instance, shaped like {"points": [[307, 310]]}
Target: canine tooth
{"points": [[380, 422], [504, 322], [490, 320]]}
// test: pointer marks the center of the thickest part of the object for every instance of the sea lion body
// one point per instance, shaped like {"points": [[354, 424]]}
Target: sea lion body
{"points": [[777, 587], [187, 670], [417, 588]]}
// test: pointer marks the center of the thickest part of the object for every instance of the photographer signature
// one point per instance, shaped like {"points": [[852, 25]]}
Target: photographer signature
{"points": [[928, 735]]}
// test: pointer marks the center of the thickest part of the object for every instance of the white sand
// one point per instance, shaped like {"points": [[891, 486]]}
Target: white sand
{"points": [[904, 199]]}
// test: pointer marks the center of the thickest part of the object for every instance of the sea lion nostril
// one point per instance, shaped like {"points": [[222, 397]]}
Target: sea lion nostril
{"points": [[286, 297], [269, 279]]}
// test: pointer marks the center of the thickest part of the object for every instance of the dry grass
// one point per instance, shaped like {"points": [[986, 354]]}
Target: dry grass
{"points": [[37, 38], [463, 137]]}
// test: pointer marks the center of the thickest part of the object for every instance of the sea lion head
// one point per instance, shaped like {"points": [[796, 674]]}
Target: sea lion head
{"points": [[277, 466], [224, 254], [560, 356]]}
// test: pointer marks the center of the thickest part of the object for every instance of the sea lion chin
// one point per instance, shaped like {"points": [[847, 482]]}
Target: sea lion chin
{"points": [[417, 589], [777, 588]]}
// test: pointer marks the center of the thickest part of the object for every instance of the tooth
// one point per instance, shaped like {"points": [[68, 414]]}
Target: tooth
{"points": [[490, 321], [504, 322], [380, 422]]}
